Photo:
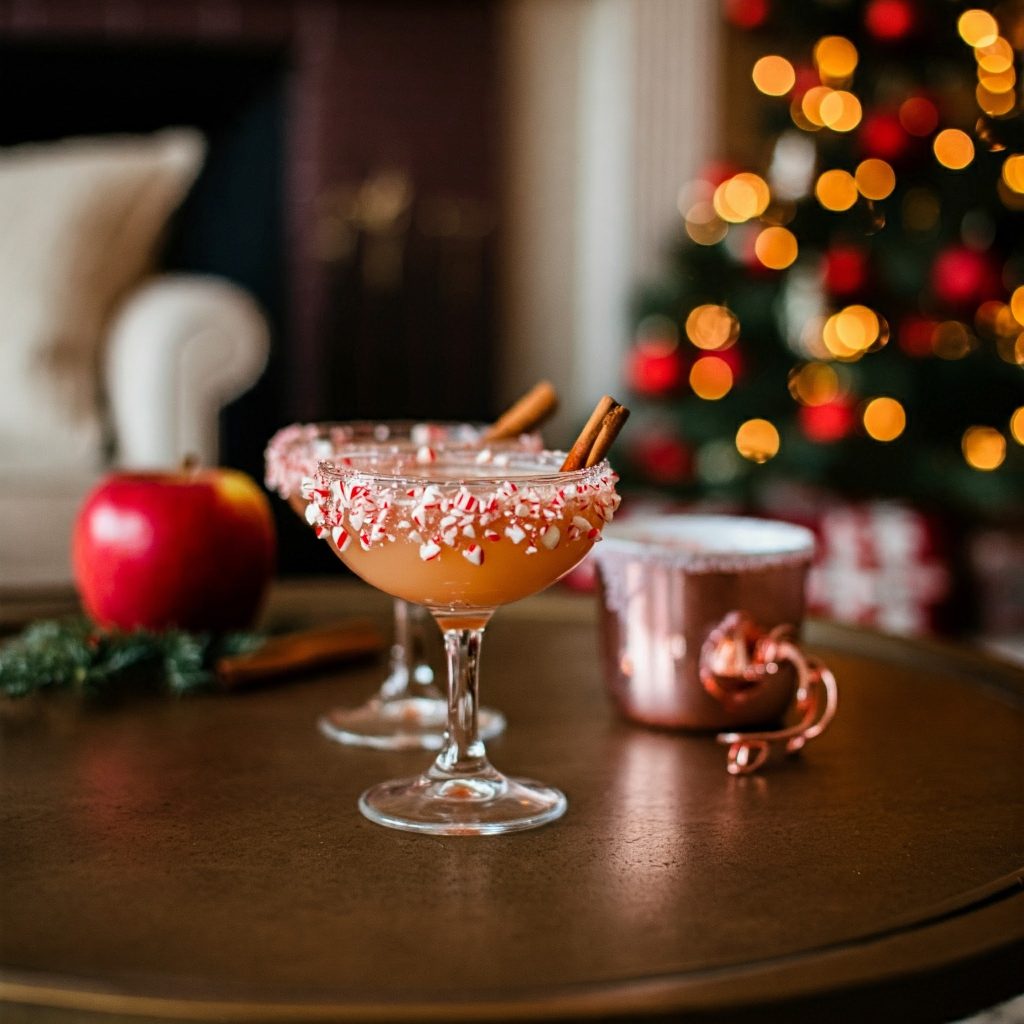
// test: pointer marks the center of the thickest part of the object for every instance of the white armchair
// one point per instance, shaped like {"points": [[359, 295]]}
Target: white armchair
{"points": [[178, 350]]}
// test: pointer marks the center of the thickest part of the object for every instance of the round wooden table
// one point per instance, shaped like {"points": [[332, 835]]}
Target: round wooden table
{"points": [[203, 858]]}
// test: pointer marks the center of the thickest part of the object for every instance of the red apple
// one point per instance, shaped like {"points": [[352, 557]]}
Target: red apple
{"points": [[193, 549]]}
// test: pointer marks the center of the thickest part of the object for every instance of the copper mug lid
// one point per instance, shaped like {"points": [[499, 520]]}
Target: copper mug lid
{"points": [[700, 616]]}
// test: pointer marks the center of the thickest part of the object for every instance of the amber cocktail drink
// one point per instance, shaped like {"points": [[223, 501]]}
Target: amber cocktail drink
{"points": [[461, 536], [408, 711]]}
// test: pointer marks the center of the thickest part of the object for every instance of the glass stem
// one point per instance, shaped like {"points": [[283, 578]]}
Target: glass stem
{"points": [[463, 752], [409, 673]]}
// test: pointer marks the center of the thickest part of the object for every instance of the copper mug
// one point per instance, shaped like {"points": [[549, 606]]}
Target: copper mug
{"points": [[700, 625]]}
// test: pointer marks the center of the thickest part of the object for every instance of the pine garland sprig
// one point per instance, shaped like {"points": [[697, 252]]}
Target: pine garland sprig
{"points": [[74, 654]]}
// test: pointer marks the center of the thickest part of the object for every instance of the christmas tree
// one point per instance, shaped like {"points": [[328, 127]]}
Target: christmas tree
{"points": [[849, 316]]}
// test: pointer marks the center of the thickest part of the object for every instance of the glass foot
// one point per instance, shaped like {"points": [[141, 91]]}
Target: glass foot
{"points": [[404, 723], [472, 806]]}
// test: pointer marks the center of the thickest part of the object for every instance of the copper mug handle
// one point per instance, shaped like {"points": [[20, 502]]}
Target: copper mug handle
{"points": [[736, 659]]}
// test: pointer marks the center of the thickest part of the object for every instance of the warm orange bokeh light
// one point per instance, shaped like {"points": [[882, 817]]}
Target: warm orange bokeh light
{"points": [[776, 248], [953, 149], [810, 105], [997, 56], [884, 419], [994, 103], [1002, 81], [710, 378], [814, 383], [983, 447], [836, 190], [1013, 172], [840, 111], [757, 440], [741, 198], [774, 75], [1017, 425], [875, 179], [977, 28], [1017, 304], [712, 327], [835, 57]]}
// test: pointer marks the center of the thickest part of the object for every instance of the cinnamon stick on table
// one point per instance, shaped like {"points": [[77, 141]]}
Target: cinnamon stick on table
{"points": [[597, 435], [299, 652], [528, 412]]}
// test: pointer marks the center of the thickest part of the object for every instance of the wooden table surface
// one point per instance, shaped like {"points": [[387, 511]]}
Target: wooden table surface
{"points": [[203, 858]]}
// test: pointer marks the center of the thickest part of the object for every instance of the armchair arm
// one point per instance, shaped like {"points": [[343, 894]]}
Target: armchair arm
{"points": [[179, 350]]}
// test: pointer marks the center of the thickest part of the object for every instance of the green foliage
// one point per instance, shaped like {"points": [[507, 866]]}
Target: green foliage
{"points": [[912, 276], [73, 654]]}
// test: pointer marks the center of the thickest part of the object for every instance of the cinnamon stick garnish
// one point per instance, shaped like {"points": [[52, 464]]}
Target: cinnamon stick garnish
{"points": [[597, 435], [300, 652], [612, 423], [528, 412]]}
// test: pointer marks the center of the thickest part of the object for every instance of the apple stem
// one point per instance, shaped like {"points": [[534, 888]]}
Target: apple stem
{"points": [[190, 462]]}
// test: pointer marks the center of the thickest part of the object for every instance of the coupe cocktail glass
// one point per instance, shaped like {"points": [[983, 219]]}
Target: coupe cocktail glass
{"points": [[461, 537], [408, 711]]}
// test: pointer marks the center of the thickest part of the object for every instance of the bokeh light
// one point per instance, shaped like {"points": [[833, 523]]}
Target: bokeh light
{"points": [[1017, 425], [840, 111], [1011, 349], [953, 149], [1013, 172], [814, 383], [710, 378], [757, 440], [996, 57], [774, 75], [835, 57], [983, 447], [977, 28], [776, 248], [875, 179], [1002, 81], [884, 419], [741, 198], [1017, 304], [712, 327], [704, 225], [995, 104], [853, 331], [810, 105], [836, 190]]}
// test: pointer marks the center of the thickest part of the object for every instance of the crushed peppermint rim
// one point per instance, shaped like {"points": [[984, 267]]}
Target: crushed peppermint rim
{"points": [[377, 496], [294, 452]]}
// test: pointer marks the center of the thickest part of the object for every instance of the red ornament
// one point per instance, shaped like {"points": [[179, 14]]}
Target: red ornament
{"points": [[747, 14], [655, 368], [889, 20], [829, 422], [662, 457], [915, 336], [963, 277], [882, 135], [846, 270]]}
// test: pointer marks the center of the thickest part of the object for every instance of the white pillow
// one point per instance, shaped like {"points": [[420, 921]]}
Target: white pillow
{"points": [[80, 224]]}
